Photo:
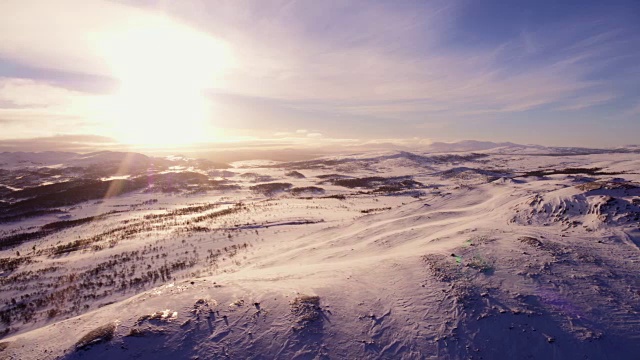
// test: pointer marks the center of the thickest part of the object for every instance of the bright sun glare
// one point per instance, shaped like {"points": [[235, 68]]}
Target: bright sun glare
{"points": [[163, 68]]}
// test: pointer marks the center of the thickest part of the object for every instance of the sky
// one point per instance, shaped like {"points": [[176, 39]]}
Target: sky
{"points": [[78, 74]]}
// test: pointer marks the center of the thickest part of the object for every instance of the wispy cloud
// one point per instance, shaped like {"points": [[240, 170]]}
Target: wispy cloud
{"points": [[364, 75], [588, 101], [632, 112], [76, 143], [306, 60], [33, 108]]}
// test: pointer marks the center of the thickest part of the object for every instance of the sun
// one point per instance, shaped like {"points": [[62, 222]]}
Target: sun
{"points": [[163, 69], [147, 115]]}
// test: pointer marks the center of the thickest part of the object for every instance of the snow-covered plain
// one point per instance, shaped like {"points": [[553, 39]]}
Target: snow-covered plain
{"points": [[528, 253]]}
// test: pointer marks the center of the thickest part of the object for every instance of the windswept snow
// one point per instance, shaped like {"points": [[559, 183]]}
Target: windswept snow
{"points": [[395, 255]]}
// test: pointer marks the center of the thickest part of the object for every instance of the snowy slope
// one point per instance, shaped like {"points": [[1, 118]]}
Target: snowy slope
{"points": [[400, 256]]}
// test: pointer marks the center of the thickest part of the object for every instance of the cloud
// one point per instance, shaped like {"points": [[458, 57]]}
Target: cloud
{"points": [[633, 111], [313, 61], [588, 101], [58, 35], [351, 62], [28, 93], [282, 134], [103, 41], [88, 139], [64, 142], [31, 108], [298, 134], [355, 68]]}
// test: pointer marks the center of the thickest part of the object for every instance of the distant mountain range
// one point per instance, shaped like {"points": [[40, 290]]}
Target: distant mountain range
{"points": [[9, 160], [510, 148]]}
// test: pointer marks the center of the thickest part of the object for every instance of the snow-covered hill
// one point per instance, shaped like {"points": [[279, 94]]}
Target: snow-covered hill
{"points": [[389, 255], [469, 145]]}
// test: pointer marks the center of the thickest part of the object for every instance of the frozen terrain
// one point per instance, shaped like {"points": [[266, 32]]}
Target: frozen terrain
{"points": [[473, 251]]}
